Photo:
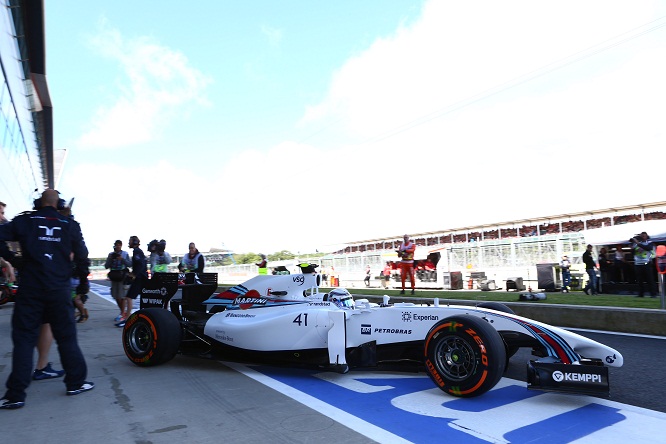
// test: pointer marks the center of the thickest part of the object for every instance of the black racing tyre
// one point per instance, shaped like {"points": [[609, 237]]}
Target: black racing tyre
{"points": [[151, 337], [498, 306], [464, 355]]}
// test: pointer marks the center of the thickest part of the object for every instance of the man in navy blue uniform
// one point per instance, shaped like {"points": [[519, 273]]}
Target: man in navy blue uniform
{"points": [[49, 243], [140, 274]]}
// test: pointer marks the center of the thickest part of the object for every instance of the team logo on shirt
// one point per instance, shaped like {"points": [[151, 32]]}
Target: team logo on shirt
{"points": [[50, 233]]}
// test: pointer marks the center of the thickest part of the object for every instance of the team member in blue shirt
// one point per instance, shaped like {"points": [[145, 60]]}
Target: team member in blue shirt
{"points": [[49, 243]]}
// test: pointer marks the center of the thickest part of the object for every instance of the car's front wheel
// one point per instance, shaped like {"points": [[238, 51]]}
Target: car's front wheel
{"points": [[498, 306], [151, 337], [464, 355]]}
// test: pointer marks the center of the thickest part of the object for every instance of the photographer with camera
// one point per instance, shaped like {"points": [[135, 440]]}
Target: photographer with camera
{"points": [[118, 263], [643, 250], [159, 258]]}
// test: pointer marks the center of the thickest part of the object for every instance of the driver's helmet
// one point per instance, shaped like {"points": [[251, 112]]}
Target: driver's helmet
{"points": [[341, 297]]}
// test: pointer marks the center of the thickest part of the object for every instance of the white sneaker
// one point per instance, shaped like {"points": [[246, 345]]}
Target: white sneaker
{"points": [[84, 388]]}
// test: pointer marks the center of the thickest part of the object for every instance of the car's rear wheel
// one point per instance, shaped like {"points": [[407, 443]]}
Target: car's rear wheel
{"points": [[464, 355], [151, 337]]}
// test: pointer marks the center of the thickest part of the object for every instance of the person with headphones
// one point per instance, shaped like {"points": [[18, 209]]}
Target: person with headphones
{"points": [[44, 369], [49, 242], [139, 275]]}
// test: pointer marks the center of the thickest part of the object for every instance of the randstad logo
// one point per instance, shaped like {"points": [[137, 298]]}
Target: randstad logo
{"points": [[49, 234]]}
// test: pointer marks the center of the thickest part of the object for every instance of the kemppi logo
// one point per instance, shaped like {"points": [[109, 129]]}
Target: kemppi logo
{"points": [[558, 376]]}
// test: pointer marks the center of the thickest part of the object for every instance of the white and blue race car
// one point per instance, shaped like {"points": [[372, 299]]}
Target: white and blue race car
{"points": [[286, 320]]}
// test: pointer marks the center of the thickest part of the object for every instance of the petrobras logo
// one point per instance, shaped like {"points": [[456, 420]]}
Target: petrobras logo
{"points": [[393, 331], [559, 376], [366, 329], [416, 317]]}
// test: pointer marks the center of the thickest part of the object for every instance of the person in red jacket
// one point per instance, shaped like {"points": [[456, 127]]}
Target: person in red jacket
{"points": [[406, 253]]}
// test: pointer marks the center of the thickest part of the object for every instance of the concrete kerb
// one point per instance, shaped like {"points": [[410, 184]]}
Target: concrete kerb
{"points": [[625, 320]]}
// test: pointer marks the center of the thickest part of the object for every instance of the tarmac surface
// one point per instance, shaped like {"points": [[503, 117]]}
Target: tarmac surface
{"points": [[187, 400]]}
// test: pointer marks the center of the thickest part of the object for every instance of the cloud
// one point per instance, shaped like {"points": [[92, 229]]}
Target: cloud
{"points": [[274, 35], [481, 110], [157, 85], [476, 113]]}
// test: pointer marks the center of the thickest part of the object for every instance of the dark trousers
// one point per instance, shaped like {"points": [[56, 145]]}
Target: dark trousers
{"points": [[135, 287], [592, 282], [32, 309], [645, 275], [566, 279]]}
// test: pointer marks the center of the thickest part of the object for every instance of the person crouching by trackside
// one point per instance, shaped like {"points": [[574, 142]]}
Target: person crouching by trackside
{"points": [[591, 269], [47, 239], [406, 253], [139, 275], [193, 261], [118, 263], [643, 251]]}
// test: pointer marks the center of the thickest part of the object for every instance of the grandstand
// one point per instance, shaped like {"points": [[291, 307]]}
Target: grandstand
{"points": [[499, 251], [505, 253]]}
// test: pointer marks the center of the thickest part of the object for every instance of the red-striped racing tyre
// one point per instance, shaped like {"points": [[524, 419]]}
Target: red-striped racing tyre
{"points": [[498, 306], [151, 337], [464, 355]]}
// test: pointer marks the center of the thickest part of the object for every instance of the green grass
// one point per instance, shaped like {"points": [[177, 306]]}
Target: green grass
{"points": [[573, 298]]}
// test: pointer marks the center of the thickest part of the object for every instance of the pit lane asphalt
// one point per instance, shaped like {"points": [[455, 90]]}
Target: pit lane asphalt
{"points": [[189, 400], [204, 401]]}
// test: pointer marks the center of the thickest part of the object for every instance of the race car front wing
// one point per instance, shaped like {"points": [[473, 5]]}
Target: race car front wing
{"points": [[587, 379]]}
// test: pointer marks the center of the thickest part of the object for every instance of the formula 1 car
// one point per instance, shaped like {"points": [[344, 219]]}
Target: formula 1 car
{"points": [[286, 320]]}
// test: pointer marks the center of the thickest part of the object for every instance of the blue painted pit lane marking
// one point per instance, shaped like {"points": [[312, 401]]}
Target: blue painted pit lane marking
{"points": [[102, 291], [406, 407]]}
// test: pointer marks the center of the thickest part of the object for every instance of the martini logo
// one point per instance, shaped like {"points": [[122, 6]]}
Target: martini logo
{"points": [[249, 299]]}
